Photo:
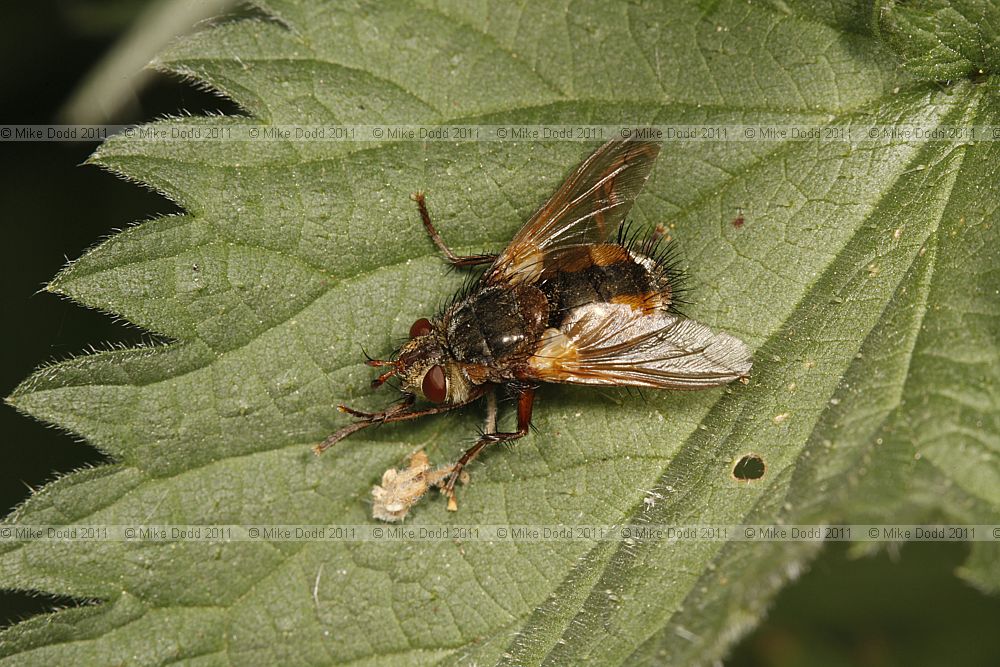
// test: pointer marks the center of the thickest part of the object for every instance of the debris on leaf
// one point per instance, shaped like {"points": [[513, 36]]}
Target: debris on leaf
{"points": [[401, 489]]}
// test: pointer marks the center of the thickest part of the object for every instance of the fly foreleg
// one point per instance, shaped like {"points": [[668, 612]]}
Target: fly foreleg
{"points": [[397, 413]]}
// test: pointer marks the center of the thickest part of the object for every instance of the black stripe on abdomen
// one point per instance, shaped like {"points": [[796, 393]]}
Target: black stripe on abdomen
{"points": [[595, 284]]}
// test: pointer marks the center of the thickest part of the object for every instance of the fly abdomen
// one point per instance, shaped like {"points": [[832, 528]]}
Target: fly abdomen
{"points": [[604, 273]]}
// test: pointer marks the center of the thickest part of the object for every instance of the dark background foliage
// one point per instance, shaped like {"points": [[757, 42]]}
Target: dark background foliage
{"points": [[901, 608], [54, 209]]}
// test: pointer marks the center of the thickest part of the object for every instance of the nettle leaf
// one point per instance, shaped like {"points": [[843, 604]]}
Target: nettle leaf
{"points": [[938, 39], [865, 278]]}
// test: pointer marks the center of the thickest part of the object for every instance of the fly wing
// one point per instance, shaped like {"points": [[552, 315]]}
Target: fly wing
{"points": [[586, 208], [615, 344]]}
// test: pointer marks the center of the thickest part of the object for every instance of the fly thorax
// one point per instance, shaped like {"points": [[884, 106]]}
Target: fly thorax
{"points": [[496, 323]]}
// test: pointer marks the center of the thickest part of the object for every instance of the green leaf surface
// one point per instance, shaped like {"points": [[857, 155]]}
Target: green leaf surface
{"points": [[941, 40], [865, 279]]}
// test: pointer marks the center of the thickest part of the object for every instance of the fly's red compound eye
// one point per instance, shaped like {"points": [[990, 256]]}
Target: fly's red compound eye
{"points": [[421, 327], [435, 386]]}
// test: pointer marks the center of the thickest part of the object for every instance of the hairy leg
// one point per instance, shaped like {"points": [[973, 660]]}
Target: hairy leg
{"points": [[455, 260], [402, 411], [525, 403]]}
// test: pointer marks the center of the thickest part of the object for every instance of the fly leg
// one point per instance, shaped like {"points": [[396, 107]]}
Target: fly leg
{"points": [[397, 413], [380, 417], [455, 260], [489, 428], [525, 402], [365, 419], [491, 412]]}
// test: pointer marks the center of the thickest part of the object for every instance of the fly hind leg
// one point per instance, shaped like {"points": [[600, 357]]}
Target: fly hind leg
{"points": [[449, 255]]}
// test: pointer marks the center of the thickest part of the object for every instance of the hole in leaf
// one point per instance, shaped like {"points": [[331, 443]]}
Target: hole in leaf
{"points": [[749, 467]]}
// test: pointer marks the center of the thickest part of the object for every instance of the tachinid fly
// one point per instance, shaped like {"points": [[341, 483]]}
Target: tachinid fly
{"points": [[570, 300]]}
